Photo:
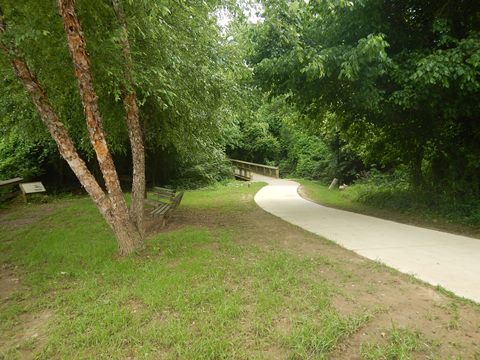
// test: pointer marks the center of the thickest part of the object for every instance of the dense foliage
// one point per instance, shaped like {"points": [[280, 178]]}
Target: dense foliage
{"points": [[397, 81], [180, 71], [324, 89]]}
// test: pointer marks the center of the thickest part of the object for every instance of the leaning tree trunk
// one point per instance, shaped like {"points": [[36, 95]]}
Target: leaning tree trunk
{"points": [[57, 130], [60, 134], [127, 234], [107, 207], [132, 116]]}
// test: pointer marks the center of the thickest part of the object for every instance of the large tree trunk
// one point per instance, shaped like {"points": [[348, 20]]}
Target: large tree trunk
{"points": [[122, 229], [56, 128], [132, 116], [60, 135], [128, 235]]}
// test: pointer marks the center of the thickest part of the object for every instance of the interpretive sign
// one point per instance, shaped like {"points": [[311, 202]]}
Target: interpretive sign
{"points": [[34, 187], [31, 188]]}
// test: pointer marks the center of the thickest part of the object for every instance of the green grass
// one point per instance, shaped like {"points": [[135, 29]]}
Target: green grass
{"points": [[334, 198], [400, 345], [218, 290], [228, 196], [193, 294], [402, 207]]}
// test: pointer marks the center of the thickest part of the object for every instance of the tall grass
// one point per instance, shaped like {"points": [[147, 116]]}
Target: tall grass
{"points": [[394, 192], [391, 197]]}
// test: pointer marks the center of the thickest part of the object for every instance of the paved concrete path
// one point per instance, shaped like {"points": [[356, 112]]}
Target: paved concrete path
{"points": [[438, 258]]}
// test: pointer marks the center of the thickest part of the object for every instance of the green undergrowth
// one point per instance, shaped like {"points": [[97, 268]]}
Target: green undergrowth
{"points": [[403, 205], [192, 294]]}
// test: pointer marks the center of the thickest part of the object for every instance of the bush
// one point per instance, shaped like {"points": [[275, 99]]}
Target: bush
{"points": [[392, 191], [196, 173], [20, 157]]}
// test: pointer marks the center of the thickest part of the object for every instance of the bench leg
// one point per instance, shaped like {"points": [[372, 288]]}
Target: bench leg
{"points": [[167, 216]]}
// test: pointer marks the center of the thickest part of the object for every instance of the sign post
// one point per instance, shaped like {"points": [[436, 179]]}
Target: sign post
{"points": [[31, 188]]}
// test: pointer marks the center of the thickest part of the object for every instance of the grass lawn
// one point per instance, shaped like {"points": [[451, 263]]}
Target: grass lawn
{"points": [[224, 280], [419, 215]]}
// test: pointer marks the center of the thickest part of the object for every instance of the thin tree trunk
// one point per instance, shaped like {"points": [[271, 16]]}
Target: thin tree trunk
{"points": [[57, 130], [132, 116], [107, 207], [416, 170], [127, 234]]}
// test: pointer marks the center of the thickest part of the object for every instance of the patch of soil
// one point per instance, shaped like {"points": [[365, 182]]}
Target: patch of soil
{"points": [[136, 307], [448, 327], [9, 282], [30, 214], [29, 335]]}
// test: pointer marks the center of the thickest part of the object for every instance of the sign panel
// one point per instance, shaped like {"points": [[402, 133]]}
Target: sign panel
{"points": [[34, 187]]}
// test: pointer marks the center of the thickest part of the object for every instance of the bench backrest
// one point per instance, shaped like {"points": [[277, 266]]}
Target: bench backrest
{"points": [[13, 181], [177, 199], [164, 193], [160, 190]]}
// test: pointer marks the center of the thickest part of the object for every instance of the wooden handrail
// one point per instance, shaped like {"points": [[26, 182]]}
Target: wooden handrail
{"points": [[255, 164], [272, 171]]}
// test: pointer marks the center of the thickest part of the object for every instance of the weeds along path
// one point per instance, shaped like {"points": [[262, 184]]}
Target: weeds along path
{"points": [[439, 258]]}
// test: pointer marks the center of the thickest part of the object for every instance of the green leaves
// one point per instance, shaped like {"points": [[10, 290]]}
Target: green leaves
{"points": [[370, 53], [315, 69], [456, 66], [402, 77], [181, 70]]}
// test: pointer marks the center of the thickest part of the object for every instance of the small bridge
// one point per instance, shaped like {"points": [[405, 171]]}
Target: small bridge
{"points": [[244, 169]]}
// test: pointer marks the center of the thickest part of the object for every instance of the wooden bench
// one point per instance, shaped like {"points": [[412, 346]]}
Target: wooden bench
{"points": [[167, 201], [163, 194], [5, 192]]}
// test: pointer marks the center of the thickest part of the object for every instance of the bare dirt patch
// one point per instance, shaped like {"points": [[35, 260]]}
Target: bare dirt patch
{"points": [[136, 307], [28, 336], [27, 214], [9, 282], [448, 326]]}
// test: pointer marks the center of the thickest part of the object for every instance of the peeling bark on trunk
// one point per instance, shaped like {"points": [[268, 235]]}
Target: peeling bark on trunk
{"points": [[138, 157], [57, 130], [127, 234], [132, 116], [81, 61], [112, 207]]}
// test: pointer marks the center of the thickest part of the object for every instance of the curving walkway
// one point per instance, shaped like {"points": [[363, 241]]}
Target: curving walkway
{"points": [[438, 258]]}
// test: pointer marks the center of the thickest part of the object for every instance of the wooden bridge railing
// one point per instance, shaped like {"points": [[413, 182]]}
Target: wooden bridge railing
{"points": [[247, 167]]}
